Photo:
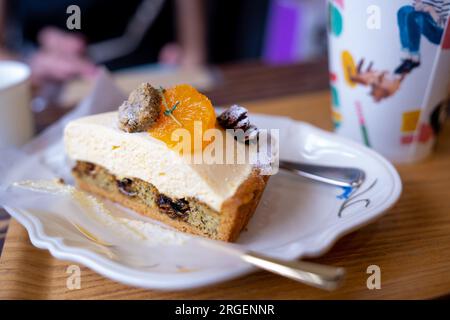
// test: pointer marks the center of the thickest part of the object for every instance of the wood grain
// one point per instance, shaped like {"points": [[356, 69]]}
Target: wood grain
{"points": [[410, 243], [255, 80]]}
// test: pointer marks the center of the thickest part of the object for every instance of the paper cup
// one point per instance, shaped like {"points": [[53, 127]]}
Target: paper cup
{"points": [[381, 96], [16, 123]]}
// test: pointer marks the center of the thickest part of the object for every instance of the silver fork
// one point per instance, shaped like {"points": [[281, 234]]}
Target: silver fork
{"points": [[313, 274], [338, 176]]}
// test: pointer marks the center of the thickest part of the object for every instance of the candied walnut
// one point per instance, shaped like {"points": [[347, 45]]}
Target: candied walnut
{"points": [[236, 117], [174, 209], [141, 111]]}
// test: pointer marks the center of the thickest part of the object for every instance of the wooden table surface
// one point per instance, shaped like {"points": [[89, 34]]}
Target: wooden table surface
{"points": [[244, 82], [411, 243]]}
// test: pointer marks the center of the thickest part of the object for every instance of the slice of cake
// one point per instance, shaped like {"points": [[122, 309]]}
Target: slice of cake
{"points": [[131, 158]]}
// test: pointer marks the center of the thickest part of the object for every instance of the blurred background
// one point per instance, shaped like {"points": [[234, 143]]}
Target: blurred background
{"points": [[232, 50], [167, 31], [165, 41]]}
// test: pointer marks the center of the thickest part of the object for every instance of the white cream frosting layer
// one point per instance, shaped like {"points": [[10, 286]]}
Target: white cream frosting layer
{"points": [[98, 139]]}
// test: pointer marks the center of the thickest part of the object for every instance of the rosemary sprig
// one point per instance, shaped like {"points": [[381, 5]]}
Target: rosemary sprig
{"points": [[169, 111]]}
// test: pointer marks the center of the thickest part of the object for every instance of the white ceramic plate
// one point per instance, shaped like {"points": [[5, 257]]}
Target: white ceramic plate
{"points": [[296, 218]]}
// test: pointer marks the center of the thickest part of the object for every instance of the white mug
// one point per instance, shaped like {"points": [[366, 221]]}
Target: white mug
{"points": [[16, 121], [390, 70]]}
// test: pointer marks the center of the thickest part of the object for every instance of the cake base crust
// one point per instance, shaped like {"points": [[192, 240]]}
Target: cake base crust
{"points": [[225, 225]]}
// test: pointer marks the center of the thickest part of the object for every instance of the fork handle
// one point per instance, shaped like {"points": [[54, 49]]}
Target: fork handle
{"points": [[313, 274]]}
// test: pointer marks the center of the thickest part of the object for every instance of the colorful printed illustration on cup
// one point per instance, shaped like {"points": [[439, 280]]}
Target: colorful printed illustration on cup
{"points": [[333, 77], [335, 97], [336, 115], [362, 123], [349, 68], [410, 124], [410, 119], [382, 84], [335, 20], [427, 130], [339, 3], [420, 18], [427, 19]]}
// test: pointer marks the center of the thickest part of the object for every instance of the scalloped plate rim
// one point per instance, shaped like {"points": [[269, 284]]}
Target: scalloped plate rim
{"points": [[129, 276]]}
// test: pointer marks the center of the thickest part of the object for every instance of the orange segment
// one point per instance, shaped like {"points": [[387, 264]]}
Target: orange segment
{"points": [[191, 106]]}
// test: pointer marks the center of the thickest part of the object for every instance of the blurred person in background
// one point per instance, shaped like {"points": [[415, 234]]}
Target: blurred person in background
{"points": [[121, 34], [115, 33]]}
